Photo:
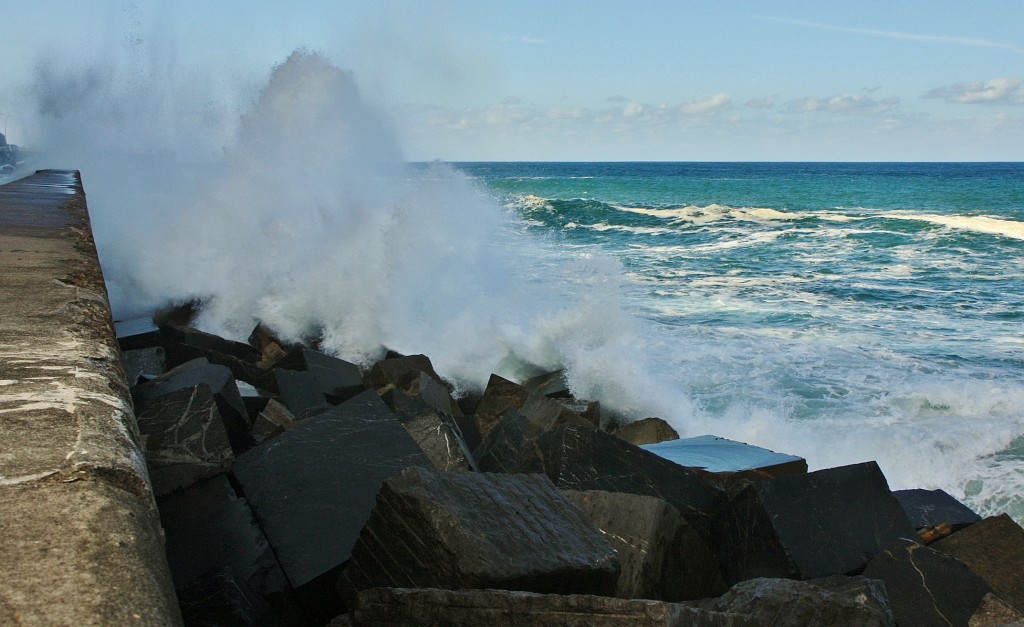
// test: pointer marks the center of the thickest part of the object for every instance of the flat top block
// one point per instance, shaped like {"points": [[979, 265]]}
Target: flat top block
{"points": [[717, 454]]}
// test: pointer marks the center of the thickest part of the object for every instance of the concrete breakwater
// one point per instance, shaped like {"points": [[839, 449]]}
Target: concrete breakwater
{"points": [[295, 488]]}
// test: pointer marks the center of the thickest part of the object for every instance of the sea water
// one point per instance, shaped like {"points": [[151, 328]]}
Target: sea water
{"points": [[839, 311]]}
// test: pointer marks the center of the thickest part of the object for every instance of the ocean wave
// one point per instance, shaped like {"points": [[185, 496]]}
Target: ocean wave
{"points": [[978, 224]]}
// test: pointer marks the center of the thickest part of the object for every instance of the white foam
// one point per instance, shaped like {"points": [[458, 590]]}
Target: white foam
{"points": [[977, 224]]}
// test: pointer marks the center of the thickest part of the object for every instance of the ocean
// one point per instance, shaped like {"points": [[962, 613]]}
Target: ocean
{"points": [[838, 311]]}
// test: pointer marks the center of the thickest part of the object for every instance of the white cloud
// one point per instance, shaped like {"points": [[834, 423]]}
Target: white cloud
{"points": [[997, 90], [761, 103], [632, 110], [850, 104], [707, 104]]}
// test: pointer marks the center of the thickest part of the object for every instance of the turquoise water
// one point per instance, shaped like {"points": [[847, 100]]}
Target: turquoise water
{"points": [[842, 312]]}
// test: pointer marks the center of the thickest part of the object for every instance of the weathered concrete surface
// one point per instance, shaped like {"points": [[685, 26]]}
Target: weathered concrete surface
{"points": [[79, 532]]}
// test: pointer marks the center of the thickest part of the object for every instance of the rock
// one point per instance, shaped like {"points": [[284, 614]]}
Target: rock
{"points": [[136, 333], [421, 385], [550, 384], [184, 439], [219, 599], [185, 343], [590, 411], [660, 554], [210, 528], [824, 523], [436, 433], [140, 361], [511, 446], [300, 392], [930, 508], [994, 612], [582, 458], [222, 385], [274, 420], [499, 396], [994, 549], [926, 587], [728, 458], [646, 431], [835, 601], [385, 373], [314, 487], [337, 379], [405, 607], [476, 530], [547, 413]]}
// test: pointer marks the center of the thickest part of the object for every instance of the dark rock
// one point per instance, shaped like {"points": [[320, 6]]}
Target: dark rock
{"points": [[219, 599], [274, 420], [511, 446], [222, 385], [824, 523], [550, 384], [337, 379], [646, 431], [926, 587], [184, 439], [136, 334], [835, 601], [468, 401], [995, 612], [140, 361], [582, 458], [661, 555], [499, 396], [728, 458], [313, 489], [405, 607], [385, 373], [210, 528], [300, 392], [436, 433], [421, 385], [590, 411], [994, 549], [185, 343], [470, 530], [547, 413], [928, 508], [262, 337]]}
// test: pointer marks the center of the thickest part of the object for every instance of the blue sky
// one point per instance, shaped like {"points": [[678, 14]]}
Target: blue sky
{"points": [[544, 80]]}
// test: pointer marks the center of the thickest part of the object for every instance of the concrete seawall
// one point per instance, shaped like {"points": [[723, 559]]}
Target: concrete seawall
{"points": [[80, 536]]}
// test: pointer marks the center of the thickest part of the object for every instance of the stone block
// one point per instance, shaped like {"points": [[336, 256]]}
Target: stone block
{"points": [[143, 361], [407, 607], [646, 431], [185, 343], [837, 601], [926, 587], [274, 420], [550, 384], [337, 379], [386, 373], [728, 458], [660, 554], [929, 508], [299, 392], [994, 549], [499, 396], [477, 530], [136, 333], [219, 599], [314, 488], [221, 383], [995, 612], [184, 439], [824, 523], [437, 434]]}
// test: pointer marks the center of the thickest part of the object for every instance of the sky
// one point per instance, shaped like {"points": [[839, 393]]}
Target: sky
{"points": [[535, 80]]}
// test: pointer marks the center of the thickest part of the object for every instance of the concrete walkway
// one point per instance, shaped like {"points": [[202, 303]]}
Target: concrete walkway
{"points": [[80, 537]]}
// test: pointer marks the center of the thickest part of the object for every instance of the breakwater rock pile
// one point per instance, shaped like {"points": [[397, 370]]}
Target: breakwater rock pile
{"points": [[296, 488]]}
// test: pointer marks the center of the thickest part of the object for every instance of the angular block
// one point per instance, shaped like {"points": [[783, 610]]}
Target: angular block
{"points": [[337, 379], [646, 431], [661, 556], [140, 361], [405, 607], [928, 508], [833, 601], [499, 396], [313, 487], [475, 530], [926, 587], [550, 384], [300, 392], [994, 549], [274, 420], [137, 333], [385, 373], [219, 598], [437, 434], [728, 457], [185, 343], [824, 523], [184, 439]]}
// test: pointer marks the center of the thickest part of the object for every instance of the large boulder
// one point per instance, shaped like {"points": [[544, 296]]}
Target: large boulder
{"points": [[661, 555], [930, 508], [470, 530], [824, 523], [313, 487], [436, 433], [336, 379], [299, 391], [499, 396], [143, 361], [994, 549], [646, 431], [926, 587], [729, 458]]}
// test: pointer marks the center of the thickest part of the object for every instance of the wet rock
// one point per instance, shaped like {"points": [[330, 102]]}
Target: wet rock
{"points": [[547, 413], [926, 587], [511, 446], [314, 488], [222, 385], [835, 601], [476, 530], [210, 528], [420, 384], [136, 333], [436, 433], [405, 607], [337, 379], [550, 384], [274, 420], [219, 599], [185, 343], [589, 411], [824, 523], [499, 396], [929, 508], [299, 392], [184, 439], [143, 361], [728, 458], [661, 555], [646, 431], [994, 612], [385, 373], [994, 549]]}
